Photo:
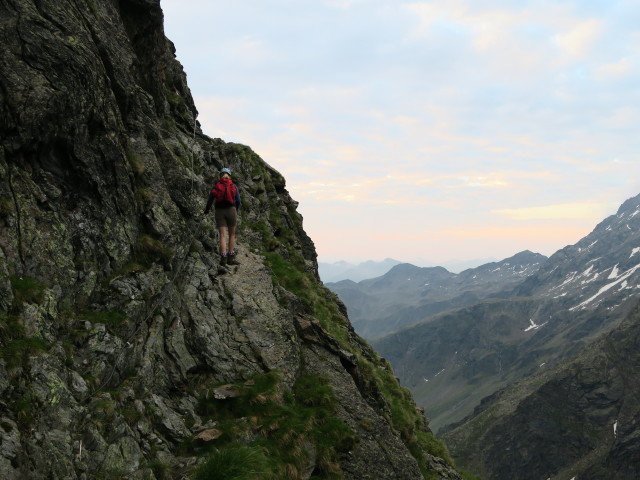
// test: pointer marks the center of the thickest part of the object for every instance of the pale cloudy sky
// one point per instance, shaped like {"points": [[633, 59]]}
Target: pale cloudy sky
{"points": [[434, 130]]}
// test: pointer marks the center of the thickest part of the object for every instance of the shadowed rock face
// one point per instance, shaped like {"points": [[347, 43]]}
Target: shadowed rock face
{"points": [[125, 349], [577, 420]]}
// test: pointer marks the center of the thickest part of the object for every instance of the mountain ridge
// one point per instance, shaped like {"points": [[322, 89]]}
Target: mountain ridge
{"points": [[334, 272], [578, 417], [407, 294], [578, 294], [595, 400], [337, 271]]}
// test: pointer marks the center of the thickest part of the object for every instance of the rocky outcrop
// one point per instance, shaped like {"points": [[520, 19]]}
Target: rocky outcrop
{"points": [[126, 350]]}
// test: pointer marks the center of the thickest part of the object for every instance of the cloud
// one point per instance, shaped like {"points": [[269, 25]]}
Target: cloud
{"points": [[577, 39], [625, 117], [520, 232], [483, 182], [556, 212], [613, 70], [342, 4], [458, 114], [495, 241]]}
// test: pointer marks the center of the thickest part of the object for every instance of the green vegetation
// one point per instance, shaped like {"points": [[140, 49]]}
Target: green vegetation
{"points": [[149, 250], [15, 346], [136, 164], [289, 276], [111, 320], [234, 462], [405, 417], [161, 470], [103, 411], [24, 408], [144, 196], [6, 206], [377, 373], [10, 328], [287, 427], [27, 290], [16, 352], [468, 476], [319, 302], [284, 421], [268, 242], [93, 7]]}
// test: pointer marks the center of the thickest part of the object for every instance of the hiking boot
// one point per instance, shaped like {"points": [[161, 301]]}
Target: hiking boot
{"points": [[223, 260], [231, 259]]}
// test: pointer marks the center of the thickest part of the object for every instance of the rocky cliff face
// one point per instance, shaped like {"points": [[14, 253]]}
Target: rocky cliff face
{"points": [[125, 350]]}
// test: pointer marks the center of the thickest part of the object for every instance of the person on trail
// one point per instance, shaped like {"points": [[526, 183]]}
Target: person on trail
{"points": [[225, 197]]}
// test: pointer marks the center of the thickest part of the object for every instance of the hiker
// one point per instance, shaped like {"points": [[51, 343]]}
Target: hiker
{"points": [[225, 198]]}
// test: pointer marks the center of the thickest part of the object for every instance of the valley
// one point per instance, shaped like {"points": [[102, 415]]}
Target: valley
{"points": [[498, 344]]}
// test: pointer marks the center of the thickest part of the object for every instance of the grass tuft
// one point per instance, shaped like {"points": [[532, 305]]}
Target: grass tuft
{"points": [[233, 462], [288, 427], [110, 319], [17, 351], [149, 250], [27, 290]]}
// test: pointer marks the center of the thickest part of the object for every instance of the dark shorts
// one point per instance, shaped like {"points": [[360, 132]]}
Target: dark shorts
{"points": [[226, 216]]}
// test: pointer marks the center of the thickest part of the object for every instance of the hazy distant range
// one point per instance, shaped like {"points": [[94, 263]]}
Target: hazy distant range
{"points": [[342, 270]]}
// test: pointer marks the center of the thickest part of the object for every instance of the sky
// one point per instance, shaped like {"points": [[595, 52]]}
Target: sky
{"points": [[426, 131]]}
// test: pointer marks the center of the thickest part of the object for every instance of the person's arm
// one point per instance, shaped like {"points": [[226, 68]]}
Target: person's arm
{"points": [[209, 203], [237, 202]]}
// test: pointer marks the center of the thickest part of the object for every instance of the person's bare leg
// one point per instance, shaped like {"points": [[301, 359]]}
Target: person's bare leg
{"points": [[223, 244], [223, 231], [232, 239], [231, 258]]}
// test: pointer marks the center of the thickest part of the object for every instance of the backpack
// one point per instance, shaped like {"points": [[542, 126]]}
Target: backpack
{"points": [[224, 192]]}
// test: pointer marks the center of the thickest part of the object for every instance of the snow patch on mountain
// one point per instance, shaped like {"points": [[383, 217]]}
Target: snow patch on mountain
{"points": [[619, 279], [587, 276], [591, 245], [587, 271], [614, 273], [534, 326], [570, 277]]}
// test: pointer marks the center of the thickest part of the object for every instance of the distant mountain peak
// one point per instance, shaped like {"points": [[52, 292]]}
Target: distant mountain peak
{"points": [[343, 270], [630, 205], [409, 268]]}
